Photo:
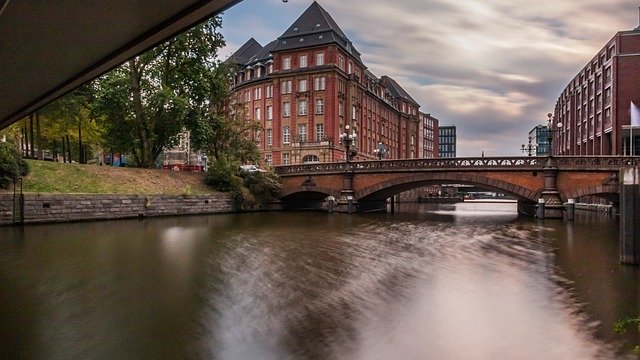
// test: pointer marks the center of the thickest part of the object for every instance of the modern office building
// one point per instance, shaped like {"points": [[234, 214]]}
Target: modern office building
{"points": [[537, 142], [447, 139], [594, 107], [309, 86], [429, 143]]}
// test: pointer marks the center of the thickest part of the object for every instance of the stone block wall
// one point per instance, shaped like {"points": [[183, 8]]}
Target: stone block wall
{"points": [[46, 208]]}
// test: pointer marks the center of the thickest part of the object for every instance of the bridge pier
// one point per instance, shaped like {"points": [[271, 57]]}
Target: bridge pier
{"points": [[629, 215], [553, 206], [347, 202]]}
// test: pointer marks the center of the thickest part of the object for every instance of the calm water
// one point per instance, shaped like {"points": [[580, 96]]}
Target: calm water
{"points": [[466, 281]]}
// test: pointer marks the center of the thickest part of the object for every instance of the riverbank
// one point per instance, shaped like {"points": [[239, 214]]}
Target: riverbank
{"points": [[58, 192]]}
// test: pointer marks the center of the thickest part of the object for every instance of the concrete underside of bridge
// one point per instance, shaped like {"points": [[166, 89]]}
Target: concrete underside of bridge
{"points": [[47, 48]]}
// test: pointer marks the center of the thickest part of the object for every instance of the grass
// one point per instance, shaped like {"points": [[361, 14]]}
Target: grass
{"points": [[52, 177]]}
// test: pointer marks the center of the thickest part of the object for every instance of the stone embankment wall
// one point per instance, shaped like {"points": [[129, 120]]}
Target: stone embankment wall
{"points": [[46, 208]]}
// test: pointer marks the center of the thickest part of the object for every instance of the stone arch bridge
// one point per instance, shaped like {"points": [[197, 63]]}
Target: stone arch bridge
{"points": [[365, 185]]}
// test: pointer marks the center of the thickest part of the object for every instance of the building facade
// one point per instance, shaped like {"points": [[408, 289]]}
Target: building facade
{"points": [[447, 139], [594, 107], [430, 139], [309, 86], [537, 142]]}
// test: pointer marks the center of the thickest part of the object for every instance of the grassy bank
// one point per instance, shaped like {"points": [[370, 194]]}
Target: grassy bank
{"points": [[51, 177]]}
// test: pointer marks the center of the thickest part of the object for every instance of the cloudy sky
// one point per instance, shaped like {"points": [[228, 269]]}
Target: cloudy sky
{"points": [[493, 68]]}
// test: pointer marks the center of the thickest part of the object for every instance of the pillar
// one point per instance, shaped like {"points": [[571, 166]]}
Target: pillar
{"points": [[629, 215], [553, 206], [347, 201]]}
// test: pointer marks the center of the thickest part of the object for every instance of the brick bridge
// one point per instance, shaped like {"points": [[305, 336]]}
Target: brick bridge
{"points": [[367, 184]]}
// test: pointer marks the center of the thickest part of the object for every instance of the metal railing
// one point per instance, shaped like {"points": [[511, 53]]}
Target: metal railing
{"points": [[519, 163]]}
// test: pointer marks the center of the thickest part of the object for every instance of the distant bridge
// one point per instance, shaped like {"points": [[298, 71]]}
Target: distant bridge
{"points": [[527, 179]]}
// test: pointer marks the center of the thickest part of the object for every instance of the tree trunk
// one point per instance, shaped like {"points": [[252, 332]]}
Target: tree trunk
{"points": [[80, 150], [39, 138], [143, 129], [32, 153]]}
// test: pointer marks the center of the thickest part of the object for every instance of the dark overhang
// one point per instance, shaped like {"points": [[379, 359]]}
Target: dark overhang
{"points": [[48, 48]]}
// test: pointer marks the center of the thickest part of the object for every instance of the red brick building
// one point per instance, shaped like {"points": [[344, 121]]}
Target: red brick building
{"points": [[306, 86], [594, 107]]}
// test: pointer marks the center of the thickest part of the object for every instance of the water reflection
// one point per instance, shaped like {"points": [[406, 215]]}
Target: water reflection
{"points": [[456, 282]]}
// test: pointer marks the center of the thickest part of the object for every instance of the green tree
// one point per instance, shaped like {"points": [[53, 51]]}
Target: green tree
{"points": [[145, 102], [12, 165]]}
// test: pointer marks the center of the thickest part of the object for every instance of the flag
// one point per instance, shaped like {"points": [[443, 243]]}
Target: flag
{"points": [[635, 115]]}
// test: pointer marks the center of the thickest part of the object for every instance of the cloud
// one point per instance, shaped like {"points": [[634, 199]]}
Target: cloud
{"points": [[494, 68]]}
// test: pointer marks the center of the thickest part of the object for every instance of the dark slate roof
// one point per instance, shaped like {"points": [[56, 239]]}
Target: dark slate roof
{"points": [[246, 52], [315, 27], [396, 90], [264, 53]]}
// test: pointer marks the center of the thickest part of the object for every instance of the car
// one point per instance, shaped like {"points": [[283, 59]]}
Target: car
{"points": [[251, 168]]}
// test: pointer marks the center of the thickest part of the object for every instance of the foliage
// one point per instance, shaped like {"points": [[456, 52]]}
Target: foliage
{"points": [[144, 103], [249, 189], [221, 127], [12, 165], [623, 325]]}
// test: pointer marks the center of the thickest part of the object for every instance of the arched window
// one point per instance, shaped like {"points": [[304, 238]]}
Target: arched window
{"points": [[310, 159]]}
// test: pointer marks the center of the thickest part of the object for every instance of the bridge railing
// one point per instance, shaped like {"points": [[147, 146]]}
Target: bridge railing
{"points": [[604, 163]]}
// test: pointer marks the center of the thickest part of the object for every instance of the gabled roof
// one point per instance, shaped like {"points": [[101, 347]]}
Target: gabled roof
{"points": [[315, 27], [246, 52], [396, 90], [314, 20], [265, 52]]}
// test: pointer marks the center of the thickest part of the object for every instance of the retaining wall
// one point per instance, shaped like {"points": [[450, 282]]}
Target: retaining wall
{"points": [[47, 208]]}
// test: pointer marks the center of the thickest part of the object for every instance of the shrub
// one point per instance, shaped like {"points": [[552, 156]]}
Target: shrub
{"points": [[12, 165], [248, 188]]}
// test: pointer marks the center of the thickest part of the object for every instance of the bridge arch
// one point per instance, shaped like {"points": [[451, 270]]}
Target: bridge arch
{"points": [[609, 192], [315, 192], [395, 186]]}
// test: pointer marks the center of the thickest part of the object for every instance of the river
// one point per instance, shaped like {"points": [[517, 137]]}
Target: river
{"points": [[459, 281]]}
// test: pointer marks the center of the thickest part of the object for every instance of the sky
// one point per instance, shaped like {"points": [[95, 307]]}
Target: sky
{"points": [[492, 68]]}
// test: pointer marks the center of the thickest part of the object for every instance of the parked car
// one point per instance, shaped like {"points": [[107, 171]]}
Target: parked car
{"points": [[251, 168]]}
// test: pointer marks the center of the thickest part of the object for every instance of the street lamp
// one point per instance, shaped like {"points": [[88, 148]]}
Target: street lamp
{"points": [[347, 139], [551, 131], [530, 149], [380, 151]]}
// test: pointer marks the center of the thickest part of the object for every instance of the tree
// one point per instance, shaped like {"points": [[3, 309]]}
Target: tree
{"points": [[145, 102], [221, 128]]}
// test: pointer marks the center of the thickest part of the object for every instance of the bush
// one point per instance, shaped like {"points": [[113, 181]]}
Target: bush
{"points": [[12, 165], [248, 188]]}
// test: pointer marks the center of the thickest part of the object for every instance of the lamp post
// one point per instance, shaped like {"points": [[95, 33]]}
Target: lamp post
{"points": [[347, 138], [380, 151], [551, 131], [530, 149]]}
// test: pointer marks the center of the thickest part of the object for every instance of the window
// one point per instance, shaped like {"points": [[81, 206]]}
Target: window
{"points": [[303, 61], [319, 132], [349, 68], [286, 135], [302, 107], [269, 136], [319, 83], [341, 63], [319, 58], [269, 112], [319, 106], [247, 96], [269, 91], [285, 87], [268, 159], [259, 71], [353, 112], [257, 94], [310, 159], [269, 68], [285, 159], [286, 109], [302, 132], [257, 113], [340, 109], [286, 63], [302, 85]]}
